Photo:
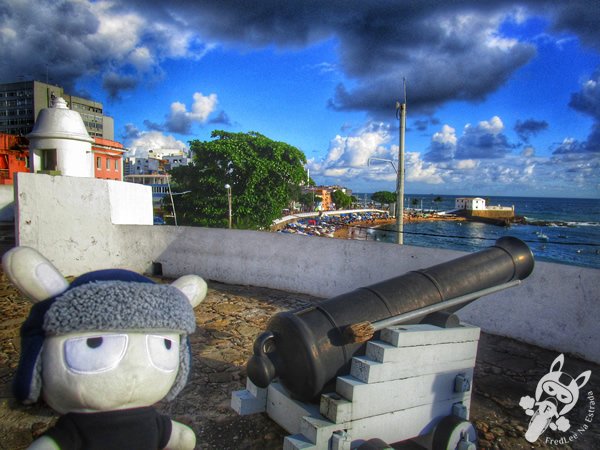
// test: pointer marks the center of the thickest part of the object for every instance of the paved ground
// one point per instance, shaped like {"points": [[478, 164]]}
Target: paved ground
{"points": [[229, 319]]}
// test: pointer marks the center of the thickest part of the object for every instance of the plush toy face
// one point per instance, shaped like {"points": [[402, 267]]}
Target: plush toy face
{"points": [[97, 371]]}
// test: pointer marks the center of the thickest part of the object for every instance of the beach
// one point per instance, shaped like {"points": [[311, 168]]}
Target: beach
{"points": [[358, 229]]}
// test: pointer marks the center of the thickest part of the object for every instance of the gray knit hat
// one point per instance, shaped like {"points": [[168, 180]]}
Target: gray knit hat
{"points": [[120, 306]]}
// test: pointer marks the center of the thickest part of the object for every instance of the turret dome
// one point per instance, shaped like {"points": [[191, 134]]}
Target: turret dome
{"points": [[59, 122]]}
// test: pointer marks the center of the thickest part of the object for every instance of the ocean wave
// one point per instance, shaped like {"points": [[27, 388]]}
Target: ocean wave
{"points": [[558, 223]]}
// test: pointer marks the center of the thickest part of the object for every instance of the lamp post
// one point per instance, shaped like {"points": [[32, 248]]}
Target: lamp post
{"points": [[399, 198], [228, 187], [401, 116]]}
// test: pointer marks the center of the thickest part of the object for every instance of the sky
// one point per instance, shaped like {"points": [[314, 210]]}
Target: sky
{"points": [[503, 97]]}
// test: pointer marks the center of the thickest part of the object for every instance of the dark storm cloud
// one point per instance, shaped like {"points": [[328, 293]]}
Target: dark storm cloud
{"points": [[486, 140], [440, 152], [130, 132], [587, 101], [446, 50], [530, 127], [153, 126], [114, 83], [222, 118]]}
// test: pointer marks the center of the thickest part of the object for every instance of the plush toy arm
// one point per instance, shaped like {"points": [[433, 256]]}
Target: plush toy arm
{"points": [[182, 437], [44, 443]]}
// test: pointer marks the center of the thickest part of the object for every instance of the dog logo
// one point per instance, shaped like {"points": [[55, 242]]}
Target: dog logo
{"points": [[556, 394]]}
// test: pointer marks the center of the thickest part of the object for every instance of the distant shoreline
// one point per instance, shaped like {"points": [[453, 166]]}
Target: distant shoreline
{"points": [[357, 229]]}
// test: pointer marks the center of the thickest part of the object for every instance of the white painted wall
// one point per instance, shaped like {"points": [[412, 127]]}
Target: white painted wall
{"points": [[129, 203], [72, 216], [73, 158], [557, 307]]}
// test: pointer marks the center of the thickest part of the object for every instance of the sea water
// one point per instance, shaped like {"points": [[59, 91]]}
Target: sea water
{"points": [[559, 230]]}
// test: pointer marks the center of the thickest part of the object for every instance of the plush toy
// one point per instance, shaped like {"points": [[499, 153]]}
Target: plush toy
{"points": [[101, 351]]}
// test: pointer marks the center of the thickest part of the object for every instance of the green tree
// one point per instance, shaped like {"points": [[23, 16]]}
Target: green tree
{"points": [[341, 199], [262, 174], [384, 197]]}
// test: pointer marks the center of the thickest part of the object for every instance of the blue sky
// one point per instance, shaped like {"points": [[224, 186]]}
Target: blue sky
{"points": [[503, 97]]}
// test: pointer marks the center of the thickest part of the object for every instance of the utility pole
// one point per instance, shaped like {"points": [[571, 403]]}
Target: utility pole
{"points": [[400, 115]]}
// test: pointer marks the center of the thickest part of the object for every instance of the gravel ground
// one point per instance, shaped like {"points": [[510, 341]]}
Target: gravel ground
{"points": [[228, 321]]}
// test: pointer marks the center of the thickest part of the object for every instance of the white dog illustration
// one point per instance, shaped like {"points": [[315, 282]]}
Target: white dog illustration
{"points": [[556, 394]]}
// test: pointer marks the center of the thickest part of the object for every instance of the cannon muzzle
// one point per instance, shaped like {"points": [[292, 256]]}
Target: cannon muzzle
{"points": [[308, 348]]}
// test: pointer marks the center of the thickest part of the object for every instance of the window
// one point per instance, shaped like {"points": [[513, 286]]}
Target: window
{"points": [[98, 162], [116, 164], [107, 164], [49, 159]]}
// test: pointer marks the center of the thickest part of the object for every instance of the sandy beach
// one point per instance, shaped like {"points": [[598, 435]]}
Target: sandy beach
{"points": [[357, 230]]}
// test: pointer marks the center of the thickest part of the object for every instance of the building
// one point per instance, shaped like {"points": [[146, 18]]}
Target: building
{"points": [[470, 203], [476, 209], [157, 161], [108, 159], [21, 103], [59, 144], [14, 157]]}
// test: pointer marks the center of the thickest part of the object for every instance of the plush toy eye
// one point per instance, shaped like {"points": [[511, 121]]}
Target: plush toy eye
{"points": [[94, 353], [163, 352]]}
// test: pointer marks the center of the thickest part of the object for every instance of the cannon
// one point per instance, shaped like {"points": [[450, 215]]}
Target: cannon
{"points": [[307, 349]]}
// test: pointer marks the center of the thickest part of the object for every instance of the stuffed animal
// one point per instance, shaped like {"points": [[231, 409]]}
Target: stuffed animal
{"points": [[101, 350]]}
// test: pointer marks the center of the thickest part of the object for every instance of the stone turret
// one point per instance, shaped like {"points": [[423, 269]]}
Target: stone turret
{"points": [[59, 144]]}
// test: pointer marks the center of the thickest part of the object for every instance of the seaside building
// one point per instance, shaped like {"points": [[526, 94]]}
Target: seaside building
{"points": [[470, 203], [476, 208], [22, 101]]}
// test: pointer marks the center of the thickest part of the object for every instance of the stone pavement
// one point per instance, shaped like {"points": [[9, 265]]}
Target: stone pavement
{"points": [[228, 321]]}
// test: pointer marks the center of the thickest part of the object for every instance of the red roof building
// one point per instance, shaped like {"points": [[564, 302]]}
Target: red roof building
{"points": [[108, 159], [14, 157]]}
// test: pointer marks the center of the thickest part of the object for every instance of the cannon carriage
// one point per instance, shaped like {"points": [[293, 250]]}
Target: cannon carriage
{"points": [[385, 363]]}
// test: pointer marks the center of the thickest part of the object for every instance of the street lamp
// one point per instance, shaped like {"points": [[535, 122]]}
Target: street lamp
{"points": [[228, 187], [399, 198]]}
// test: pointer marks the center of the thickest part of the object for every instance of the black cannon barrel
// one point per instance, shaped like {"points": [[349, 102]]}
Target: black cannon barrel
{"points": [[306, 348]]}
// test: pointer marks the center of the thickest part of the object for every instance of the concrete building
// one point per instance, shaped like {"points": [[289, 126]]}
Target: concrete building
{"points": [[21, 102]]}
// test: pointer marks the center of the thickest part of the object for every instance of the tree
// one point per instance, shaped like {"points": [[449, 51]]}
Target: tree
{"points": [[341, 199], [384, 197], [262, 174]]}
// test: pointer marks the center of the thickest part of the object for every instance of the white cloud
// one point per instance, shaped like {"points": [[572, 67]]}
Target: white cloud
{"points": [[153, 140], [180, 120], [347, 159], [466, 164]]}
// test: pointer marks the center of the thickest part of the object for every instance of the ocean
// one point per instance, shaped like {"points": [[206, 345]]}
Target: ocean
{"points": [[562, 230]]}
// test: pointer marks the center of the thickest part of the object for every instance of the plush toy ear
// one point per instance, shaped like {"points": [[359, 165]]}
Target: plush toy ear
{"points": [[193, 287], [33, 274]]}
